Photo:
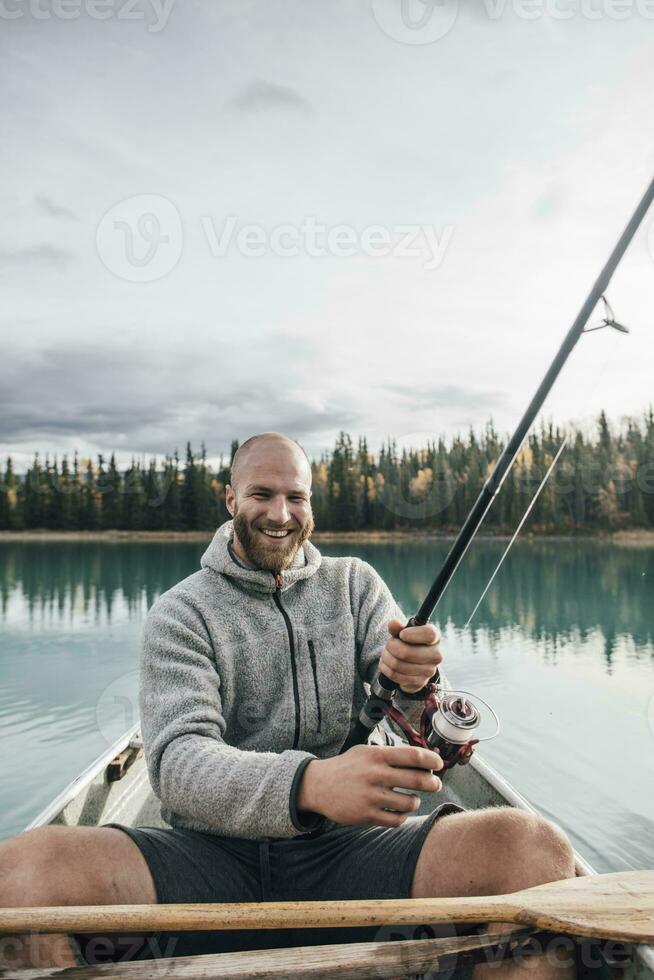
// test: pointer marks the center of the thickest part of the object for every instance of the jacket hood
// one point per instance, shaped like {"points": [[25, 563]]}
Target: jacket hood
{"points": [[220, 558]]}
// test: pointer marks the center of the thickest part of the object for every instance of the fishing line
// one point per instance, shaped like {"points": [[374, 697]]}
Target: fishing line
{"points": [[607, 321], [518, 529]]}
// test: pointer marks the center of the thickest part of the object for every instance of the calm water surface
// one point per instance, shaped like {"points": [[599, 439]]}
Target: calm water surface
{"points": [[563, 647]]}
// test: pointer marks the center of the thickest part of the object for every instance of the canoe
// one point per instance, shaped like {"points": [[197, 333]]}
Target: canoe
{"points": [[116, 788]]}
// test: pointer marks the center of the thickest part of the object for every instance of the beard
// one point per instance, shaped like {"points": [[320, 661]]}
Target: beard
{"points": [[270, 557]]}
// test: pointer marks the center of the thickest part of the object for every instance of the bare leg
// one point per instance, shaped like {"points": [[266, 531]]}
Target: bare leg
{"points": [[494, 852], [67, 866]]}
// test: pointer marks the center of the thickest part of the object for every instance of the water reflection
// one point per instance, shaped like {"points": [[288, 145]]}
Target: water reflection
{"points": [[58, 578], [552, 590]]}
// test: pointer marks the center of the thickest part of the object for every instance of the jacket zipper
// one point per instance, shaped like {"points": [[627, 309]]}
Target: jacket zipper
{"points": [[289, 629], [314, 669]]}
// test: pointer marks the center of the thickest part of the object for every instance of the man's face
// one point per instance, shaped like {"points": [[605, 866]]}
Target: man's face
{"points": [[271, 505]]}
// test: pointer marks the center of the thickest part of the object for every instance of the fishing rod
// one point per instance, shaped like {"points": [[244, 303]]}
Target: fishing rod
{"points": [[449, 721]]}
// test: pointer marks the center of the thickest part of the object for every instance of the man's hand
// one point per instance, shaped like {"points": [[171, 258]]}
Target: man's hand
{"points": [[411, 656], [357, 787]]}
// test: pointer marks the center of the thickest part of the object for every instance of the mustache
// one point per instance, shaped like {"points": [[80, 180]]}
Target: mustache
{"points": [[277, 527]]}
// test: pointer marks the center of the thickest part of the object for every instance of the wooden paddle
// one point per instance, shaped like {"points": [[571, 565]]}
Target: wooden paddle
{"points": [[349, 961], [612, 906]]}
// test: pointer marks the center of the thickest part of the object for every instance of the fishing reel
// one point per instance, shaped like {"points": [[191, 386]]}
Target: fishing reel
{"points": [[452, 723]]}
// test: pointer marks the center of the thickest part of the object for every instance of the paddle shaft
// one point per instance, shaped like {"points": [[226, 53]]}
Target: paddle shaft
{"points": [[260, 915]]}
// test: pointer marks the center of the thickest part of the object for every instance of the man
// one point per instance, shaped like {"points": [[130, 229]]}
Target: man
{"points": [[252, 671]]}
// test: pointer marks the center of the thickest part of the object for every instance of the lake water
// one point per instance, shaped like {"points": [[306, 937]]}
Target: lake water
{"points": [[563, 647]]}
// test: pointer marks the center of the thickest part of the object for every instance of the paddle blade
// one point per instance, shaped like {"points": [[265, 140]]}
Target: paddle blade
{"points": [[612, 906]]}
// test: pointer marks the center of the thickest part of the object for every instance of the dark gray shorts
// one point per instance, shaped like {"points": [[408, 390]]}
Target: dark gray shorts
{"points": [[342, 862]]}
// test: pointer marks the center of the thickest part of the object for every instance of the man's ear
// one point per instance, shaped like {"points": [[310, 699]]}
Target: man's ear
{"points": [[230, 499]]}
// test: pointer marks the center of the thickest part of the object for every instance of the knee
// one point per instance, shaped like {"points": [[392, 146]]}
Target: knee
{"points": [[530, 849], [33, 871]]}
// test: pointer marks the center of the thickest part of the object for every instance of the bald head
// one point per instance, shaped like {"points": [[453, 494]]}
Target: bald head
{"points": [[262, 446]]}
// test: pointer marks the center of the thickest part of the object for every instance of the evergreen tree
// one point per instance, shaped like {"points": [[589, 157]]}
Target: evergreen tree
{"points": [[190, 492], [172, 508], [90, 500], [153, 498], [342, 486], [76, 519], [33, 495], [66, 489], [204, 503], [8, 498], [112, 503], [133, 499]]}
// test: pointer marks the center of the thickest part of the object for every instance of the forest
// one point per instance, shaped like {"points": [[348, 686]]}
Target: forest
{"points": [[604, 481]]}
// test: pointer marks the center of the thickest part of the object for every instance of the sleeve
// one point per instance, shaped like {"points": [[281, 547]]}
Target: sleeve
{"points": [[376, 606], [193, 771]]}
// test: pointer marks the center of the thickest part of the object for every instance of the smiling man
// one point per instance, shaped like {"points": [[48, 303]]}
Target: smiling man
{"points": [[252, 671]]}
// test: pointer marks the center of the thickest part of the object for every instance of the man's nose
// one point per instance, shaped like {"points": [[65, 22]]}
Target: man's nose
{"points": [[278, 510]]}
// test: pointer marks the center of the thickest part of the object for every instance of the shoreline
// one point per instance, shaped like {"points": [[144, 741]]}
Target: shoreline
{"points": [[632, 537]]}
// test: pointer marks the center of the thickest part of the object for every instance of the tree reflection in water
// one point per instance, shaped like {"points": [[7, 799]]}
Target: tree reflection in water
{"points": [[552, 590]]}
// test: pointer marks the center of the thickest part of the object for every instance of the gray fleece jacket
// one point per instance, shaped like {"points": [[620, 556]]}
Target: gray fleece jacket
{"points": [[244, 683]]}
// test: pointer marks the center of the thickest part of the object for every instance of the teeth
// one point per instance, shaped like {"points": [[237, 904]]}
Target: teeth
{"points": [[274, 534]]}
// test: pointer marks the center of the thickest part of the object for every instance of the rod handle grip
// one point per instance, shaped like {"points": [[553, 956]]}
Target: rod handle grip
{"points": [[385, 681]]}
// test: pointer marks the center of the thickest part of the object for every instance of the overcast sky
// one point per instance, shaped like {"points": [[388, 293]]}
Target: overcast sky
{"points": [[206, 209]]}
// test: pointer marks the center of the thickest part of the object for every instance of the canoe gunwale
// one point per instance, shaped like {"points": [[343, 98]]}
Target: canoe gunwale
{"points": [[85, 778]]}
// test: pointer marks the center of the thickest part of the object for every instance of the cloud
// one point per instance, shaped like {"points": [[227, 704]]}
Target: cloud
{"points": [[447, 396], [267, 96], [36, 256], [151, 404], [51, 209]]}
